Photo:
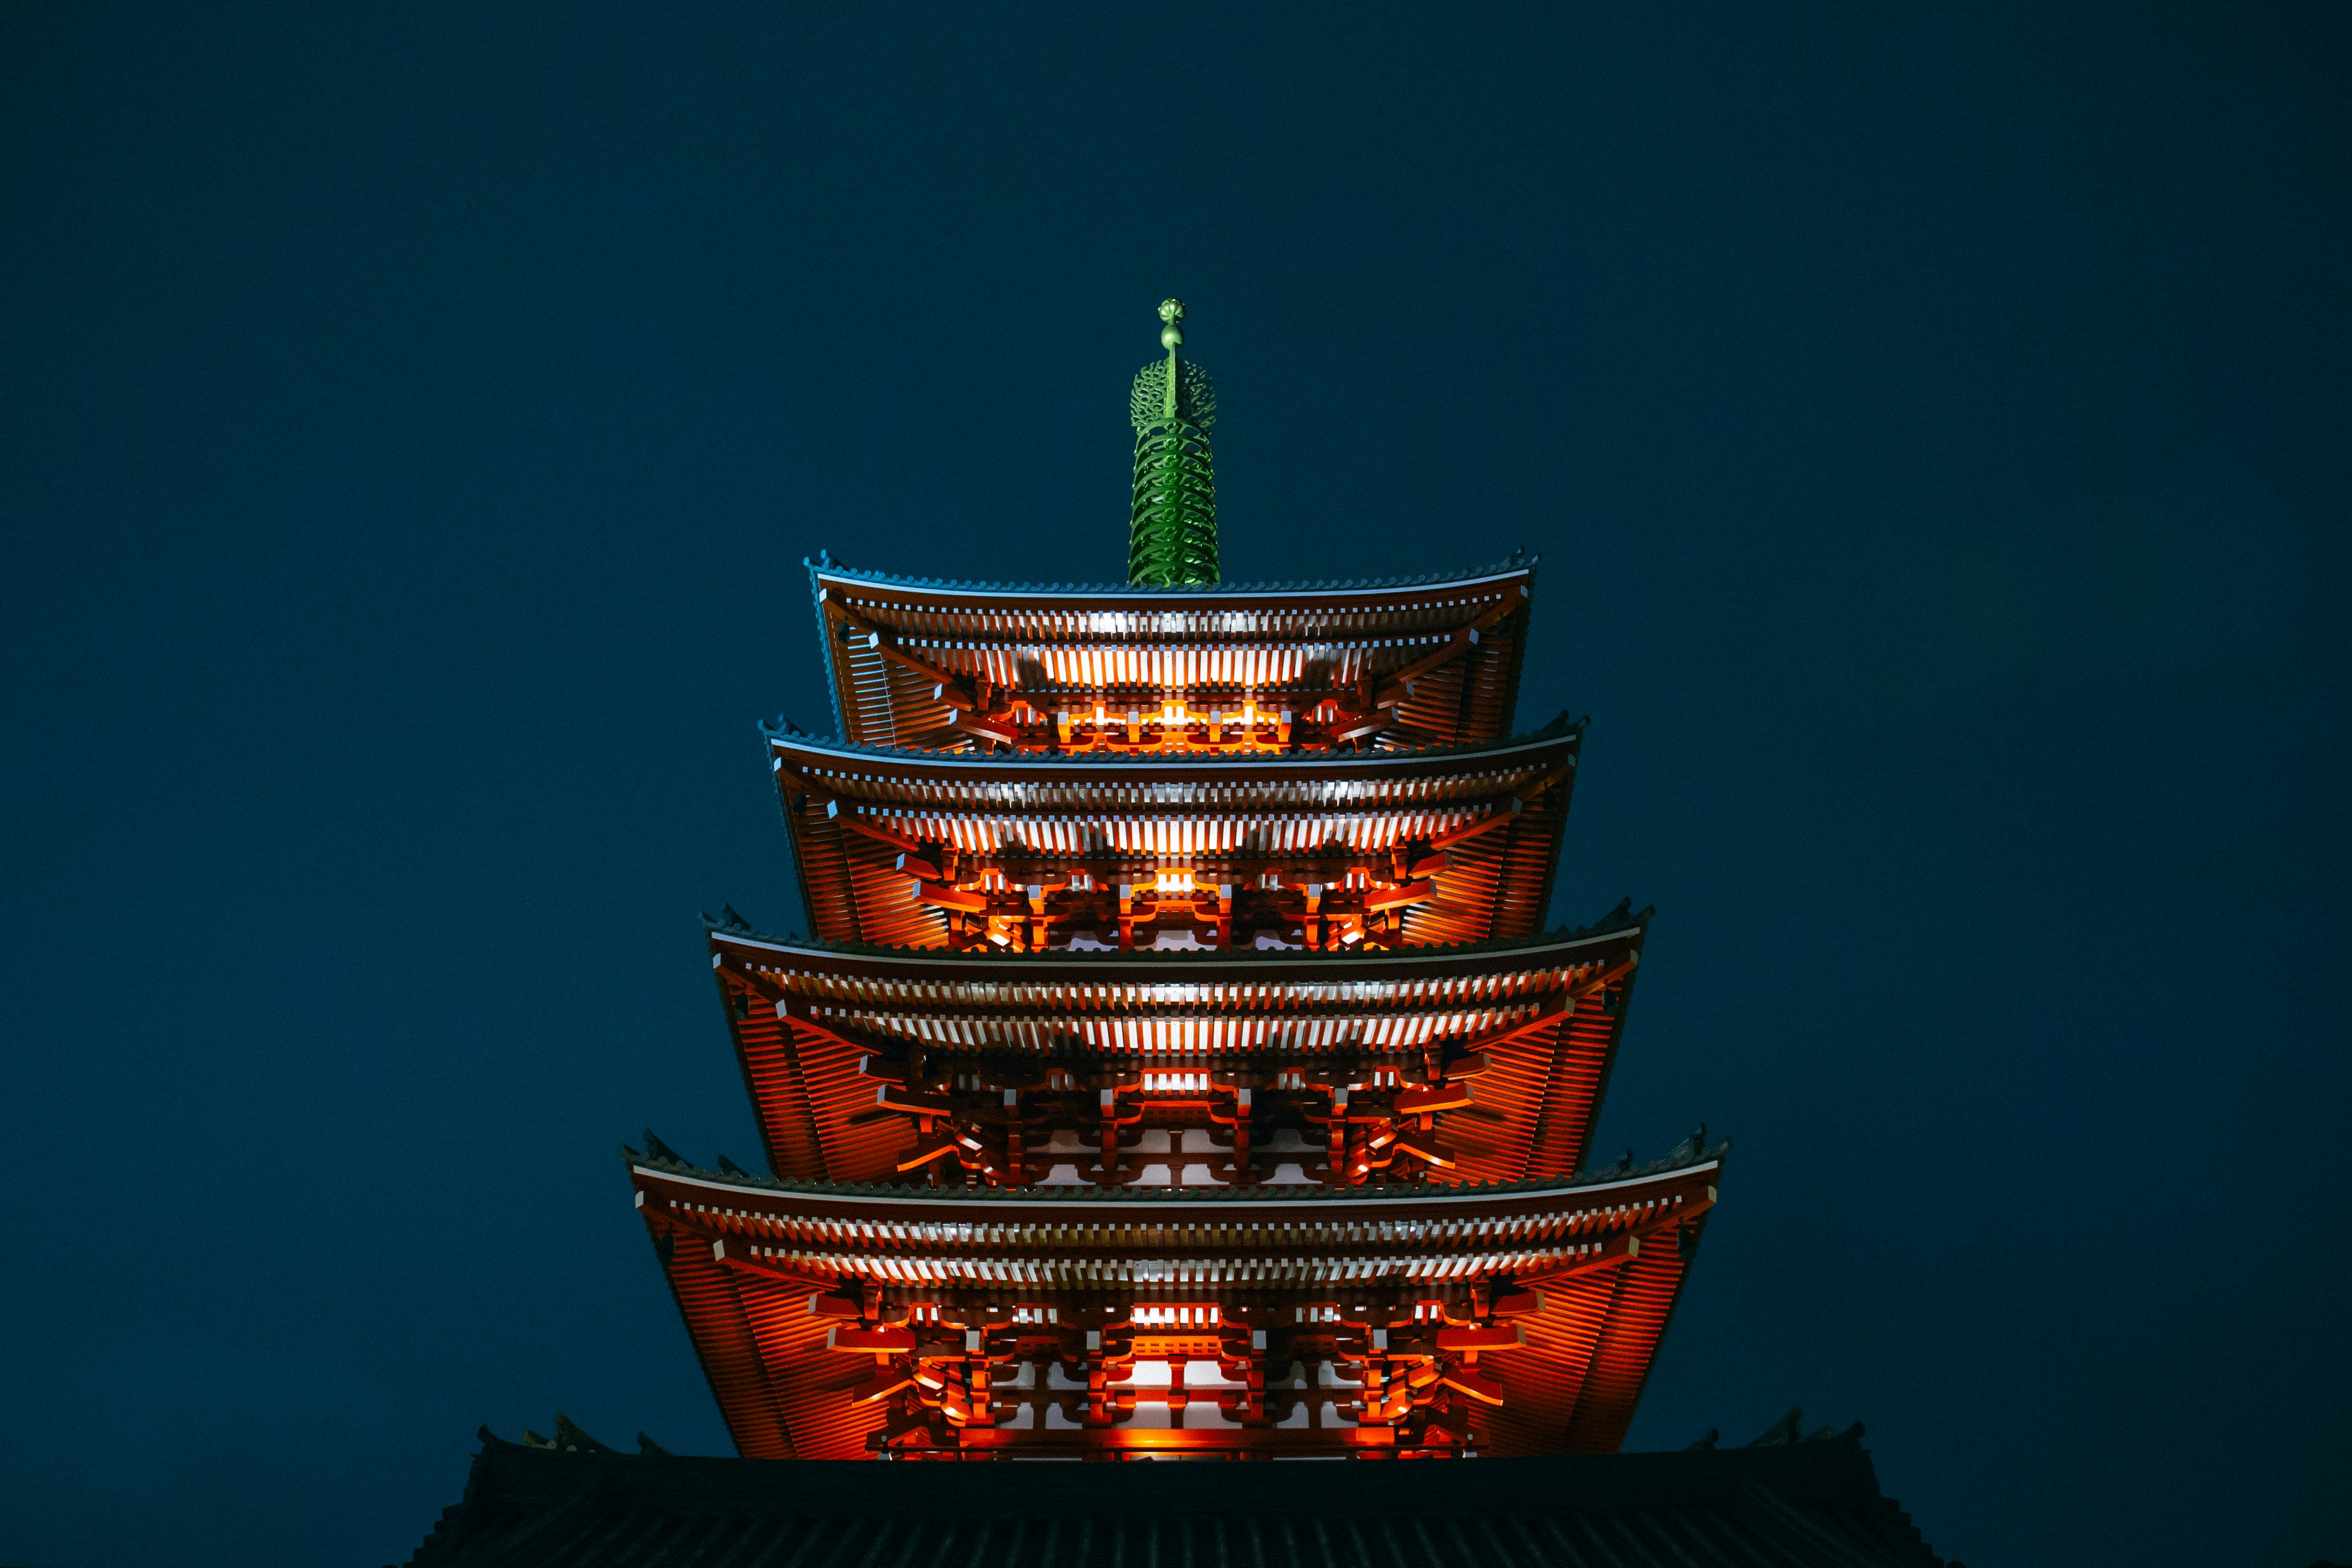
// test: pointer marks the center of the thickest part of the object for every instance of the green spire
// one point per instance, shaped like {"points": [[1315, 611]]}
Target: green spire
{"points": [[1172, 537]]}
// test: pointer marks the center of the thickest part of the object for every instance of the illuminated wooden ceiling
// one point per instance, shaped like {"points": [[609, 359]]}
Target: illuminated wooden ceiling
{"points": [[1227, 669], [1028, 852], [1477, 1064]]}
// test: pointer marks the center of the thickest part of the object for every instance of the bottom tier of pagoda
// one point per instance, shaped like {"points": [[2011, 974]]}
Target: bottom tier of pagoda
{"points": [[839, 1321]]}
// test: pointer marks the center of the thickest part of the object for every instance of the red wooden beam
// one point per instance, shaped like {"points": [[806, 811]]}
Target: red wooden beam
{"points": [[891, 1097], [1477, 1385], [1465, 832], [884, 1382], [1422, 1146], [1428, 1099], [1392, 685], [874, 831], [1552, 1009], [797, 1013], [923, 1151], [1379, 898], [981, 727], [794, 783], [733, 1252], [886, 644], [946, 897]]}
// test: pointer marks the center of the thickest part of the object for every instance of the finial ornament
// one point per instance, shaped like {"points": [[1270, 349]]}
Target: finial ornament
{"points": [[1172, 529]]}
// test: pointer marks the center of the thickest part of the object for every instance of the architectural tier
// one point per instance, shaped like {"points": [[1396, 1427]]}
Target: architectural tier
{"points": [[1031, 852], [1244, 1323], [1238, 1067], [1225, 669]]}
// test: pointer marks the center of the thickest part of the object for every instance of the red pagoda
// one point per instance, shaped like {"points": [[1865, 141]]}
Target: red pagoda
{"points": [[1177, 1064]]}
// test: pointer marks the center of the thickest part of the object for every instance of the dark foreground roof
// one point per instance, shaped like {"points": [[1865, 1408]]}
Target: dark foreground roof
{"points": [[1783, 1503]]}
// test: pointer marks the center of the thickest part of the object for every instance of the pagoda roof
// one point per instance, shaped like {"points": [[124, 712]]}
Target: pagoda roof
{"points": [[1151, 1208], [736, 944], [1606, 1255], [1763, 1506], [1519, 563], [1545, 1012], [1499, 810], [1436, 658], [962, 763]]}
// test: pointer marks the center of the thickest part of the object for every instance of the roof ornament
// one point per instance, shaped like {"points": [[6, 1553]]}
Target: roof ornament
{"points": [[1172, 528], [569, 1438]]}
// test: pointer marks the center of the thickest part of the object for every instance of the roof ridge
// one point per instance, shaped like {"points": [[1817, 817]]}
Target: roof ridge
{"points": [[1519, 560]]}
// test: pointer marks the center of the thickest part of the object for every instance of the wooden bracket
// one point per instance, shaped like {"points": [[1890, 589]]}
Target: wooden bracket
{"points": [[874, 831]]}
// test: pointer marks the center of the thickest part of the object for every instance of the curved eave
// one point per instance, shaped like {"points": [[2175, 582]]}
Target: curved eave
{"points": [[741, 1199], [756, 952], [951, 592], [853, 763]]}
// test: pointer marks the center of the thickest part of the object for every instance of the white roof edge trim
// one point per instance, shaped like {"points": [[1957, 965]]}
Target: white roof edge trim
{"points": [[1403, 954], [1467, 757], [1122, 592], [1195, 1206]]}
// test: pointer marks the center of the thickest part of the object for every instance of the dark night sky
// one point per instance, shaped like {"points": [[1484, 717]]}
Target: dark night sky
{"points": [[1934, 424]]}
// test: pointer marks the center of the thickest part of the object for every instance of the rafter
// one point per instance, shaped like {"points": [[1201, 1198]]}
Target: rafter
{"points": [[1396, 687], [886, 642]]}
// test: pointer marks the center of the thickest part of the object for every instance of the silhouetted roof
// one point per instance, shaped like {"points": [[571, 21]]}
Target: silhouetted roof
{"points": [[1784, 1503]]}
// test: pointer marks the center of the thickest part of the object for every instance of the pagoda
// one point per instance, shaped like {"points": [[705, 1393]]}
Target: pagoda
{"points": [[1178, 1063]]}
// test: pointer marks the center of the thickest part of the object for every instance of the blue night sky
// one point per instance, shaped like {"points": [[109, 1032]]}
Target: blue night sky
{"points": [[1932, 421]]}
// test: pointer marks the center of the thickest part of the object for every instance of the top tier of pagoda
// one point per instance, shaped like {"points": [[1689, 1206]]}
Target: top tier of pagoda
{"points": [[1198, 670], [1174, 661]]}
